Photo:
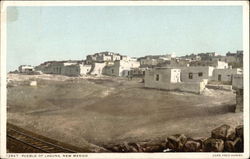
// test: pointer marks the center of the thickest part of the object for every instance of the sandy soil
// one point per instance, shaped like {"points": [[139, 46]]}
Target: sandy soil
{"points": [[103, 110]]}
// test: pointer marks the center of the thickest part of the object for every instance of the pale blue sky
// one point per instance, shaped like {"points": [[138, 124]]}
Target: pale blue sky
{"points": [[38, 34]]}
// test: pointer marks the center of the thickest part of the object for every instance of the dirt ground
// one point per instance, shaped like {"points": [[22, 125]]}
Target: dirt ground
{"points": [[102, 110]]}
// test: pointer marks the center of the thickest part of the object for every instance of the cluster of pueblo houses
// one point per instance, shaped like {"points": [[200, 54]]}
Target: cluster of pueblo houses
{"points": [[189, 73]]}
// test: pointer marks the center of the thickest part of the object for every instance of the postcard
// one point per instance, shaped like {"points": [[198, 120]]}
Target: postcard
{"points": [[124, 79]]}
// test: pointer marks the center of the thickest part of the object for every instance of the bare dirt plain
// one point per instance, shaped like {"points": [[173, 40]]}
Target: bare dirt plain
{"points": [[102, 110]]}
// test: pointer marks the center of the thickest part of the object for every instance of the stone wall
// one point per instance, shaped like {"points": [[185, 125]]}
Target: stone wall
{"points": [[223, 139]]}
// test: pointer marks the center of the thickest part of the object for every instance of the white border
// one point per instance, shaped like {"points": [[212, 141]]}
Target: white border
{"points": [[124, 3], [246, 76], [3, 82], [129, 3]]}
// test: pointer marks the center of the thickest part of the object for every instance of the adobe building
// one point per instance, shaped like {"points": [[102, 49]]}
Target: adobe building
{"points": [[75, 70], [121, 68], [215, 64], [196, 74], [26, 69], [225, 75], [103, 57], [67, 68], [138, 72], [170, 79], [97, 68], [154, 60]]}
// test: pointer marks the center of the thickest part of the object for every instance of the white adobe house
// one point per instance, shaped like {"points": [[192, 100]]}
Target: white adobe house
{"points": [[162, 77], [26, 69], [170, 79], [196, 74], [225, 75]]}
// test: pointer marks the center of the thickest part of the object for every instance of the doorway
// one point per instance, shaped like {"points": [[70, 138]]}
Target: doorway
{"points": [[219, 77]]}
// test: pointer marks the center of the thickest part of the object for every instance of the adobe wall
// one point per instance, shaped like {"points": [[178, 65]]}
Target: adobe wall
{"points": [[97, 68], [84, 69], [226, 74], [238, 85], [125, 66], [219, 87], [55, 68], [189, 87], [237, 81], [111, 70], [206, 71], [72, 70], [164, 79], [222, 65], [120, 68], [231, 59], [165, 82], [239, 100]]}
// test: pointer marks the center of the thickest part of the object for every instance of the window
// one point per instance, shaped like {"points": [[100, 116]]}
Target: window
{"points": [[157, 77], [200, 74], [190, 75]]}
